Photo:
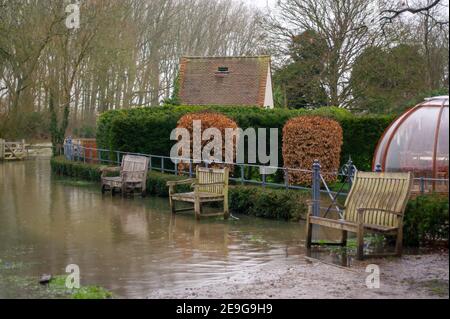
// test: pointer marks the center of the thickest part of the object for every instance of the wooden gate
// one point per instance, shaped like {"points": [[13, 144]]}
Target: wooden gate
{"points": [[12, 150]]}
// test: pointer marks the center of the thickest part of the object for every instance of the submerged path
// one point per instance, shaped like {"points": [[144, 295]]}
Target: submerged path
{"points": [[137, 249]]}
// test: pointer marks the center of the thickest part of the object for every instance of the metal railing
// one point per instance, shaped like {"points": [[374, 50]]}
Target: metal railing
{"points": [[238, 171]]}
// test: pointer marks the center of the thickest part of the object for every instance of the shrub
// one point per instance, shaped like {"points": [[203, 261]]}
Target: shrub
{"points": [[309, 138], [268, 202], [426, 220], [208, 120], [62, 166]]}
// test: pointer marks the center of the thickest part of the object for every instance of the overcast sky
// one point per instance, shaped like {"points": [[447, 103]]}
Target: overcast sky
{"points": [[261, 3]]}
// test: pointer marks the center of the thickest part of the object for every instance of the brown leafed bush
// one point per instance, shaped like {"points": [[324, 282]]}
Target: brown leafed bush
{"points": [[208, 120], [309, 138]]}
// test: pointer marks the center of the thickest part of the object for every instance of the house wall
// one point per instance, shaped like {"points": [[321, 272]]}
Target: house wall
{"points": [[268, 99]]}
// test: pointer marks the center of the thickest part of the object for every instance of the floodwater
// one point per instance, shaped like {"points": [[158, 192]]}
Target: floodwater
{"points": [[131, 246]]}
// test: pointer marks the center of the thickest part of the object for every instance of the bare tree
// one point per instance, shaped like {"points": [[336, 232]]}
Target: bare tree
{"points": [[344, 24], [401, 7]]}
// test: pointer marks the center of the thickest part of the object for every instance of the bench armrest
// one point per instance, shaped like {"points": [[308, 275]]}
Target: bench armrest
{"points": [[133, 175], [107, 170], [182, 182], [309, 202], [362, 211]]}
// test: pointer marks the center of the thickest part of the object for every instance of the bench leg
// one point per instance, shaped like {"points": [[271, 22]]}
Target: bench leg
{"points": [[172, 205], [399, 242], [344, 238], [197, 209], [360, 242], [308, 232], [226, 212]]}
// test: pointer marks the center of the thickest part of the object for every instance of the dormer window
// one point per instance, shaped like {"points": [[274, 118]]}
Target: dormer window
{"points": [[222, 71]]}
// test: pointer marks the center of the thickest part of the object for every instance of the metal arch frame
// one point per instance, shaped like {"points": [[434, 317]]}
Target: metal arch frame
{"points": [[398, 122], [436, 139]]}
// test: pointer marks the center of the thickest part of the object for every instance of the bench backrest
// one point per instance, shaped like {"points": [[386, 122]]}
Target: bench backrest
{"points": [[389, 191], [136, 167], [213, 175]]}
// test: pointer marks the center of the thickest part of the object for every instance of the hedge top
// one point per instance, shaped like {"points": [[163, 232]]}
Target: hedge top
{"points": [[147, 130]]}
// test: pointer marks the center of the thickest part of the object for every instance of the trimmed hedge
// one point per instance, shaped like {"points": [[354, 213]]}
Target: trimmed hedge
{"points": [[426, 220], [361, 135], [309, 138], [147, 130], [64, 167], [208, 120], [426, 217]]}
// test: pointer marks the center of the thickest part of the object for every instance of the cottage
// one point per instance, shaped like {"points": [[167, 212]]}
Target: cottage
{"points": [[244, 81]]}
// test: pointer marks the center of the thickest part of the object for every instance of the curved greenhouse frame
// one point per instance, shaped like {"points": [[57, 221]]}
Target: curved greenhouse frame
{"points": [[418, 142]]}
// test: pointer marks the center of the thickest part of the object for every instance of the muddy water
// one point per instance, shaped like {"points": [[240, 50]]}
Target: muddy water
{"points": [[129, 246]]}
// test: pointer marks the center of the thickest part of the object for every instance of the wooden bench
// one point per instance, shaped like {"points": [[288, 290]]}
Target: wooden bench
{"points": [[376, 203], [210, 185], [133, 176]]}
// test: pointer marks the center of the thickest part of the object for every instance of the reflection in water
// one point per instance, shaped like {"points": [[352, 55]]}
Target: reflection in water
{"points": [[130, 246]]}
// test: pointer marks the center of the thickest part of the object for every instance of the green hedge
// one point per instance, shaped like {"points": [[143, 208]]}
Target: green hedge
{"points": [[90, 172], [426, 217], [147, 130], [269, 203], [426, 220]]}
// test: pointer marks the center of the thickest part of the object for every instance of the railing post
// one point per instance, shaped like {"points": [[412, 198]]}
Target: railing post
{"points": [[263, 176], [286, 178], [176, 167], [422, 185], [190, 168], [316, 188], [118, 158], [378, 168], [242, 175], [350, 172], [162, 164]]}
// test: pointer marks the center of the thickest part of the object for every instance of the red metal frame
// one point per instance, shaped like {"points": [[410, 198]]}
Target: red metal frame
{"points": [[398, 123]]}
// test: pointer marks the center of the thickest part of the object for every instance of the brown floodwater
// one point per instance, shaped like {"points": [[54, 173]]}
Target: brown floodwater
{"points": [[131, 246]]}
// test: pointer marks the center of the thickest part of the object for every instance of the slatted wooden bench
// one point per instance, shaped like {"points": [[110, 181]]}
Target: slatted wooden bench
{"points": [[210, 185], [376, 203], [133, 176]]}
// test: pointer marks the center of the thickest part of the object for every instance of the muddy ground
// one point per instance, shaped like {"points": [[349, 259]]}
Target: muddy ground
{"points": [[412, 276]]}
